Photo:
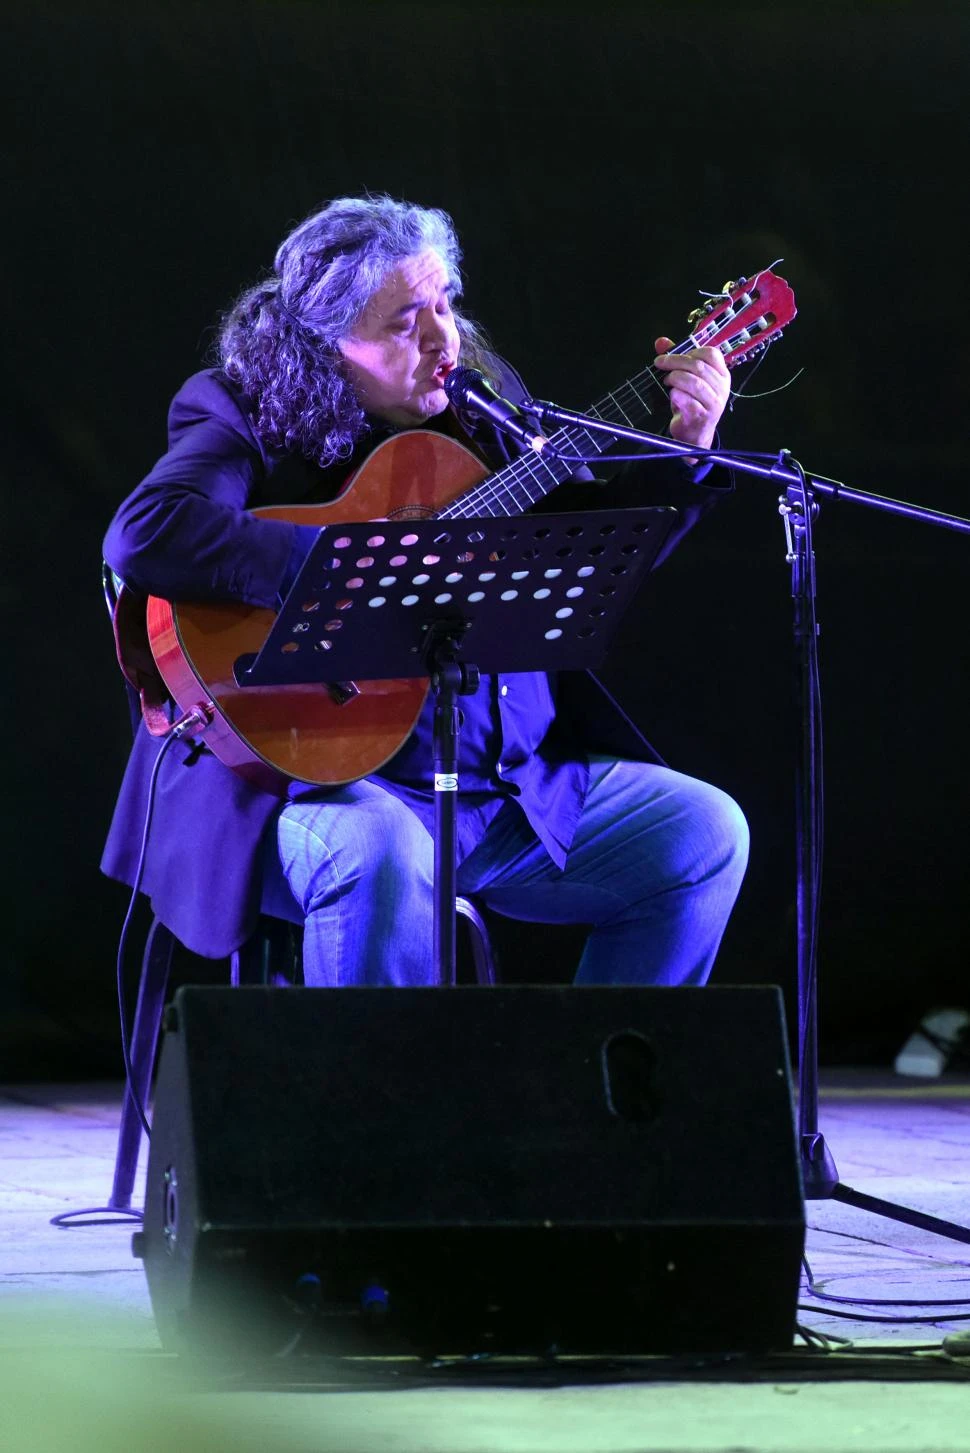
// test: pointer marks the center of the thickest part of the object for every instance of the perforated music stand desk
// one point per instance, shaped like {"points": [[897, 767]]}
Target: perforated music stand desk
{"points": [[448, 599]]}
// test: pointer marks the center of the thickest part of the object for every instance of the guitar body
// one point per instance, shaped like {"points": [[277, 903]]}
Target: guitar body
{"points": [[271, 735]]}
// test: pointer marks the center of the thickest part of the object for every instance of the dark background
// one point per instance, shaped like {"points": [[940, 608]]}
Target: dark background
{"points": [[603, 164]]}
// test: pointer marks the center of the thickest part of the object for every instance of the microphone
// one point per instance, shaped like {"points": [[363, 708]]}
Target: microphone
{"points": [[468, 388]]}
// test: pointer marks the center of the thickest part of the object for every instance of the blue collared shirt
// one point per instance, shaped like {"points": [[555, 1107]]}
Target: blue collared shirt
{"points": [[506, 750]]}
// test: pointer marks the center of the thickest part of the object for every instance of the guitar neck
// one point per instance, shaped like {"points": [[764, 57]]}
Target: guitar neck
{"points": [[741, 320], [532, 476]]}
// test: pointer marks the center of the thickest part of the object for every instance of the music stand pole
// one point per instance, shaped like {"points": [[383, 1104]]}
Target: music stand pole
{"points": [[450, 678]]}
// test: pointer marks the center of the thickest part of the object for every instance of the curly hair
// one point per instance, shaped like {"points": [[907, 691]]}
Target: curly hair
{"points": [[279, 341]]}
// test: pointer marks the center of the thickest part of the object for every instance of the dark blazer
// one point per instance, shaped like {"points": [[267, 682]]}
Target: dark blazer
{"points": [[202, 863]]}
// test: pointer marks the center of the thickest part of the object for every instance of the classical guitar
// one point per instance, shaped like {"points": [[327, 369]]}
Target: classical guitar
{"points": [[327, 736]]}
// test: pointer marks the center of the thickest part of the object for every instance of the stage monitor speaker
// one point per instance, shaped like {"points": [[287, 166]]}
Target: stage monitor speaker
{"points": [[464, 1170]]}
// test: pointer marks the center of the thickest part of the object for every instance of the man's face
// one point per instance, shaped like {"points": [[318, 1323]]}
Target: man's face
{"points": [[405, 344]]}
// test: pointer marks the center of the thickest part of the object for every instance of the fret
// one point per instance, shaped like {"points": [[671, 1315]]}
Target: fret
{"points": [[620, 409], [648, 411]]}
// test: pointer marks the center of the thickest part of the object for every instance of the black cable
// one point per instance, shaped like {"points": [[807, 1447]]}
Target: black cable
{"points": [[818, 793], [169, 741], [820, 1361], [821, 1341], [798, 513], [867, 1317], [66, 1219], [812, 1289], [713, 456]]}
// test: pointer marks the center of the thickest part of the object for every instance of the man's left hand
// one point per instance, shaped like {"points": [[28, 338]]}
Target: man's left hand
{"points": [[699, 385]]}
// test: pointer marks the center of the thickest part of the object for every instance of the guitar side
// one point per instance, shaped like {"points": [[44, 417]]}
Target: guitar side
{"points": [[273, 735]]}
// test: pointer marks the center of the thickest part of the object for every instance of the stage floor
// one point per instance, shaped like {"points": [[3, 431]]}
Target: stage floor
{"points": [[83, 1368]]}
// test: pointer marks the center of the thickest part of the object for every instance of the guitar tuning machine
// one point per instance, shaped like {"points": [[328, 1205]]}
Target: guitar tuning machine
{"points": [[718, 300], [707, 308], [752, 352]]}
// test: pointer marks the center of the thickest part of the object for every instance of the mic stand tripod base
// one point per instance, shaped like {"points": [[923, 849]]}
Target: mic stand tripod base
{"points": [[819, 1175], [820, 1181], [893, 1212]]}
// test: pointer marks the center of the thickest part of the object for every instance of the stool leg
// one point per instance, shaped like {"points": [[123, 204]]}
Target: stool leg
{"points": [[156, 968], [483, 956]]}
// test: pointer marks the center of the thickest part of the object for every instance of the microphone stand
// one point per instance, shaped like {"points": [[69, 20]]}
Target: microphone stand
{"points": [[798, 509]]}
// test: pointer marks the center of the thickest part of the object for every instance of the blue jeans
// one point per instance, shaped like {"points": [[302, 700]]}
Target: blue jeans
{"points": [[654, 869]]}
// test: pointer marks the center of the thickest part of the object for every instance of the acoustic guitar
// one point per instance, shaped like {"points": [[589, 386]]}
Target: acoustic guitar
{"points": [[331, 735]]}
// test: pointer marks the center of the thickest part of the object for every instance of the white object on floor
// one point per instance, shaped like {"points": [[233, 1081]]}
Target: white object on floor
{"points": [[929, 1048]]}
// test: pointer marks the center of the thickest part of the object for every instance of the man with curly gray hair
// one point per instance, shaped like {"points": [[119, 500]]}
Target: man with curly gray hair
{"points": [[565, 815]]}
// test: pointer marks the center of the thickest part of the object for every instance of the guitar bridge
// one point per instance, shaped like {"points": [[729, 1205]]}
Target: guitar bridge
{"points": [[340, 692]]}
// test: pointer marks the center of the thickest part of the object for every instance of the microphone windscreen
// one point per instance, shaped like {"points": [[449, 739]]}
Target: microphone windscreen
{"points": [[459, 381]]}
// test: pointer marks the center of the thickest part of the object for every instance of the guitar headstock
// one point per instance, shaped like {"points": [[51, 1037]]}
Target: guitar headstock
{"points": [[744, 317]]}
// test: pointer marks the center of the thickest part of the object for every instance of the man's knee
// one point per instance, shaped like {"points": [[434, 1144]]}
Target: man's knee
{"points": [[730, 825], [711, 836], [333, 848]]}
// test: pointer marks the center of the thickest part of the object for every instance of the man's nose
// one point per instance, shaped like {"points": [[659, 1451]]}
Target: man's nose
{"points": [[437, 332]]}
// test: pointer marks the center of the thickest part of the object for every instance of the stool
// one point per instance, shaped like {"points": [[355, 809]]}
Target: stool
{"points": [[270, 956]]}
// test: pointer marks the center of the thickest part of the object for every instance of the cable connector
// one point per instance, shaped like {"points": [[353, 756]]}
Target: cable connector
{"points": [[196, 719]]}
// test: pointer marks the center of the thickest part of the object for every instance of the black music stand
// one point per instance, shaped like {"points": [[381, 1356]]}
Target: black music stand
{"points": [[388, 599]]}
